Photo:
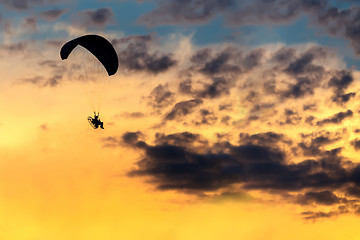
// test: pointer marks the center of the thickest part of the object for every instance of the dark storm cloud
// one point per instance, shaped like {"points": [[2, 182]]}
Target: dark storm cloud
{"points": [[161, 97], [182, 109], [324, 198], [98, 18], [52, 15], [174, 163], [188, 162], [335, 119], [353, 191], [134, 54]]}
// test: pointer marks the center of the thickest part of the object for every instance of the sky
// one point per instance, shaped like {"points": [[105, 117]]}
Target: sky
{"points": [[226, 119]]}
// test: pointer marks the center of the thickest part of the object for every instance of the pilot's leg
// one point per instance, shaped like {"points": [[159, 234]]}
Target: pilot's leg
{"points": [[102, 125]]}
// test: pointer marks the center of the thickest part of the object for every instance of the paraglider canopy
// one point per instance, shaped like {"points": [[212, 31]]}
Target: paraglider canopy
{"points": [[98, 46]]}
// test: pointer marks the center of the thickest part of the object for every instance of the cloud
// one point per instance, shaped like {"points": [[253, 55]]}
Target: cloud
{"points": [[134, 54], [283, 55], [207, 117], [182, 109], [335, 20], [54, 77], [214, 72], [343, 98], [44, 127], [353, 191], [303, 64], [310, 215], [313, 144], [323, 197], [30, 24], [356, 144], [340, 82], [291, 117], [95, 18], [52, 15], [188, 11], [220, 70], [41, 81], [343, 22], [335, 119], [182, 139], [160, 97], [132, 138], [264, 139], [342, 209], [133, 115], [26, 4], [174, 163], [218, 63], [14, 48]]}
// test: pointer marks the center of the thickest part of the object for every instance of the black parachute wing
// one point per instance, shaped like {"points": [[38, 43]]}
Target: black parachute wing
{"points": [[98, 46]]}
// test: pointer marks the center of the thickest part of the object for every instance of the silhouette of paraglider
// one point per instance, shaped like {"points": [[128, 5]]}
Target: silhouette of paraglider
{"points": [[88, 69]]}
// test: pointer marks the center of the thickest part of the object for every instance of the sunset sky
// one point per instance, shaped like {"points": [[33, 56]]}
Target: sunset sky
{"points": [[227, 119]]}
